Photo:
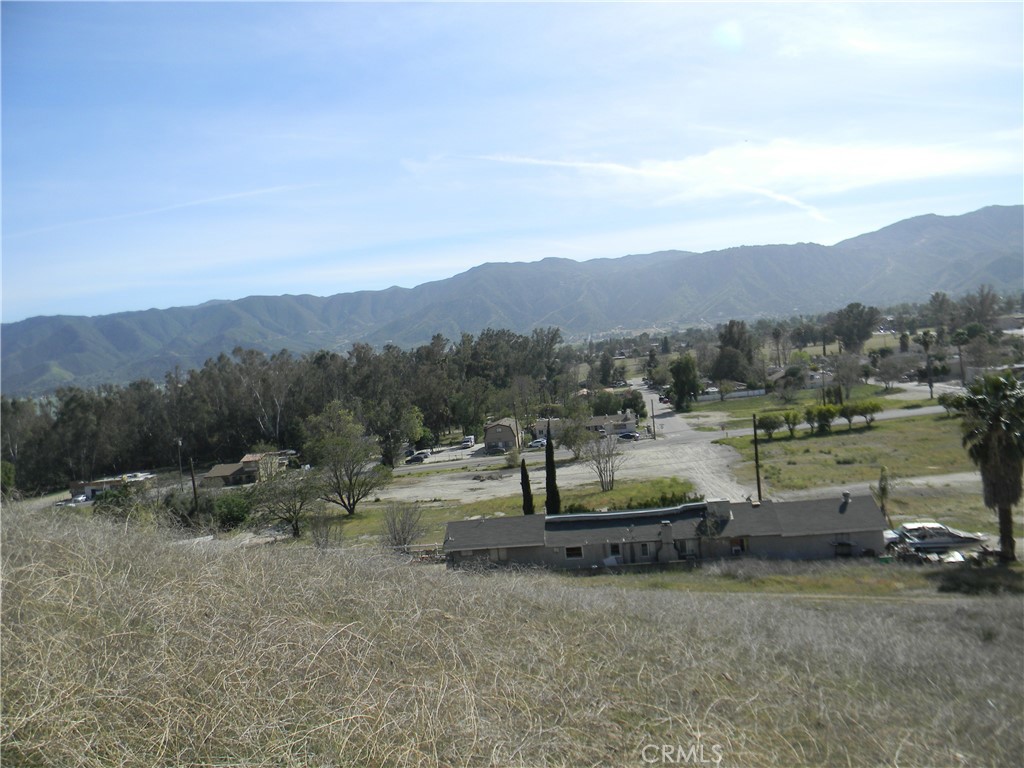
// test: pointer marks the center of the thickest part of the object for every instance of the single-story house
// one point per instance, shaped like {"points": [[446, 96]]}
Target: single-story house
{"points": [[253, 468], [93, 488], [502, 435], [225, 474], [263, 466], [604, 425], [798, 530]]}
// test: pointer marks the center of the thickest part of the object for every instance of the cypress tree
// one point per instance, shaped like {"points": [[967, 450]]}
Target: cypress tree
{"points": [[524, 480], [553, 502]]}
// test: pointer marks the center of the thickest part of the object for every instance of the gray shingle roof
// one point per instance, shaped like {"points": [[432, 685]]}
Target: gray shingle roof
{"points": [[769, 518], [519, 531]]}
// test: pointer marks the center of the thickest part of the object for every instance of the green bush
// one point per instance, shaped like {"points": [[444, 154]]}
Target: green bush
{"points": [[231, 510]]}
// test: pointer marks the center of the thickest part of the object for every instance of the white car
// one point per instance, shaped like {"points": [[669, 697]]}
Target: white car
{"points": [[540, 442]]}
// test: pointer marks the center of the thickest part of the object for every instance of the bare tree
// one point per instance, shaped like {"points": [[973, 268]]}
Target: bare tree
{"points": [[605, 458], [848, 373], [288, 497], [402, 526]]}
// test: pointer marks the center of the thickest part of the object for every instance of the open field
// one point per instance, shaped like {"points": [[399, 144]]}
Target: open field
{"points": [[126, 648], [919, 445]]}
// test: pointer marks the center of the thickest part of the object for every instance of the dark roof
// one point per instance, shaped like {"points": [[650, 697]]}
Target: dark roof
{"points": [[630, 525], [807, 517], [223, 470], [769, 518], [486, 533]]}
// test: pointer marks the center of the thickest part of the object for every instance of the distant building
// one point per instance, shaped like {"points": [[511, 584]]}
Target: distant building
{"points": [[502, 435], [253, 468], [93, 488], [796, 530]]}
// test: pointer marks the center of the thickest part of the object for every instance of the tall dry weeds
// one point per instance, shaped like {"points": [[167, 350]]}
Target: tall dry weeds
{"points": [[128, 649]]}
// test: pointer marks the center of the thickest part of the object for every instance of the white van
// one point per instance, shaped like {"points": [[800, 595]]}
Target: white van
{"points": [[468, 441]]}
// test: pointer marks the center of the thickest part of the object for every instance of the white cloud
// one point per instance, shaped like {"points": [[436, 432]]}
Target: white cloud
{"points": [[789, 171]]}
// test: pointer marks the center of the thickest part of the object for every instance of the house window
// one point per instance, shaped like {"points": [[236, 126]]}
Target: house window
{"points": [[645, 549], [738, 546], [615, 549], [573, 553]]}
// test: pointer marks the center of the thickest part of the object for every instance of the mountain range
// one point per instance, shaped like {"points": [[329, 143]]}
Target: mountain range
{"points": [[658, 292]]}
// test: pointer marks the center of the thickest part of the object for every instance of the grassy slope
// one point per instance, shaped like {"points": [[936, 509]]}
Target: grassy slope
{"points": [[122, 648]]}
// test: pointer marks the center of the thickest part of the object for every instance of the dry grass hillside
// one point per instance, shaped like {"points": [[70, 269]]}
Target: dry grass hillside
{"points": [[124, 648]]}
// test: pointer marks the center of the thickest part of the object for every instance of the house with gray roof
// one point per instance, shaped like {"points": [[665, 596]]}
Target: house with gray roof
{"points": [[798, 530]]}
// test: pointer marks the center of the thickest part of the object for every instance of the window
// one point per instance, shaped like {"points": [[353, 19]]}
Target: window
{"points": [[615, 549], [573, 553], [738, 546], [645, 549]]}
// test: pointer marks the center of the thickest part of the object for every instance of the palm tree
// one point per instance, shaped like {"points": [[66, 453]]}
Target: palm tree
{"points": [[926, 340], [993, 429]]}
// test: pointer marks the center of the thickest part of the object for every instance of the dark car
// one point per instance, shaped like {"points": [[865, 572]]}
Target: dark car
{"points": [[416, 458], [629, 436]]}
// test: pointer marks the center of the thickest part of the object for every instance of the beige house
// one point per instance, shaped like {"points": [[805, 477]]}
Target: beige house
{"points": [[797, 530], [253, 468], [502, 435]]}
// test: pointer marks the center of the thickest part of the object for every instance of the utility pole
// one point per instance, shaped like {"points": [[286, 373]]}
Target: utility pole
{"points": [[654, 425], [181, 478], [757, 461]]}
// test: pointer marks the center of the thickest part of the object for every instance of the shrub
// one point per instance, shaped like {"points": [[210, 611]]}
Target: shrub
{"points": [[770, 423], [402, 526], [231, 510]]}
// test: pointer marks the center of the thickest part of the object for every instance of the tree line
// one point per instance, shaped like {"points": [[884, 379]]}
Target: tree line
{"points": [[249, 399]]}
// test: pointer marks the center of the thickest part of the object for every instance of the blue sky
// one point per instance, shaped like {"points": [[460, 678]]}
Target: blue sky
{"points": [[167, 154]]}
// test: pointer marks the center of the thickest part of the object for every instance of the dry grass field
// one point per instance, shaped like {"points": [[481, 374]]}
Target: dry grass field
{"points": [[126, 648]]}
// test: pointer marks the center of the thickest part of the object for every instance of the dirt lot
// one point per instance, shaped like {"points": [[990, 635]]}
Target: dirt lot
{"points": [[684, 448]]}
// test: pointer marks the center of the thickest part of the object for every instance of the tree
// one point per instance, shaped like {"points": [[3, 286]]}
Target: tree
{"points": [[993, 434], [605, 458], [769, 423], [348, 457], [685, 382], [959, 339], [524, 481], [882, 492], [575, 435], [553, 500], [401, 526], [735, 335], [848, 373], [791, 419], [891, 367], [708, 529], [790, 383], [868, 409], [604, 370], [6, 477], [848, 411], [854, 324], [927, 340], [288, 497], [729, 365]]}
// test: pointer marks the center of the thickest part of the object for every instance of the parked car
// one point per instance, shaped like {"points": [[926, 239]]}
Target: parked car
{"points": [[629, 436], [540, 442], [416, 458], [80, 499]]}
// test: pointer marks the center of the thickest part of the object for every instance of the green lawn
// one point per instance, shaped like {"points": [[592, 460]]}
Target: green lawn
{"points": [[740, 410], [367, 520], [909, 447]]}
